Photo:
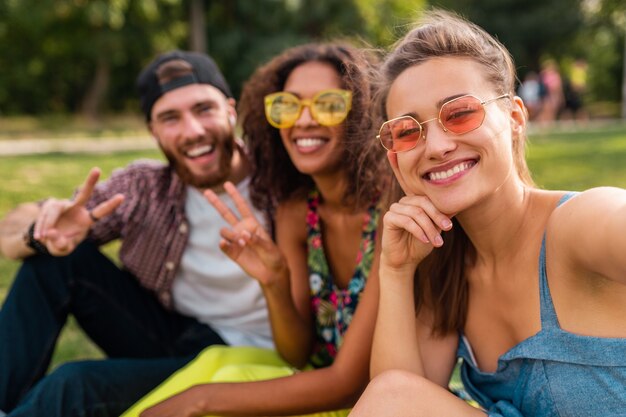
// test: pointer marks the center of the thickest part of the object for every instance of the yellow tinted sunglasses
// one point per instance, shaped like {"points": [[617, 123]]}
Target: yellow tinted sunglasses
{"points": [[328, 107]]}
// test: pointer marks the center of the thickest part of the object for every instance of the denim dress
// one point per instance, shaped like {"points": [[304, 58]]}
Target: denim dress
{"points": [[553, 373]]}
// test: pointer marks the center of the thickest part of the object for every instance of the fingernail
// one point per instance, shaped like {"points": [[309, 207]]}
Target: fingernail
{"points": [[446, 224], [241, 242], [438, 241]]}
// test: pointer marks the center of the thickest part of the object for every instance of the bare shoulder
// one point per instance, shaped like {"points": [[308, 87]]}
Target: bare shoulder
{"points": [[590, 207], [291, 220], [587, 231], [585, 262], [294, 209], [291, 212]]}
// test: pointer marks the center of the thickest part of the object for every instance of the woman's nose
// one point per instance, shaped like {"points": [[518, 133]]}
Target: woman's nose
{"points": [[437, 141], [306, 118]]}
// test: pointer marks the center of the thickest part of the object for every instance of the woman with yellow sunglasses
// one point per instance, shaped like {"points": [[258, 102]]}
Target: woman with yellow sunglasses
{"points": [[305, 119]]}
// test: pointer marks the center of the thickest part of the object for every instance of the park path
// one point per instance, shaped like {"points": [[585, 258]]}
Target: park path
{"points": [[86, 145], [15, 147]]}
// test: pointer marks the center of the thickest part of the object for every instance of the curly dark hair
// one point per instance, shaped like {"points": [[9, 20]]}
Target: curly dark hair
{"points": [[274, 177]]}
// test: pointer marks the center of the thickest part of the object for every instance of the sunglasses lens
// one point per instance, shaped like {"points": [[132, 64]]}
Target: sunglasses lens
{"points": [[462, 115], [282, 109], [401, 134], [330, 108]]}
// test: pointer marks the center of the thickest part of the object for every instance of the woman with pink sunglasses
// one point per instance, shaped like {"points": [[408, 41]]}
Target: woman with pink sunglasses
{"points": [[526, 286], [305, 116]]}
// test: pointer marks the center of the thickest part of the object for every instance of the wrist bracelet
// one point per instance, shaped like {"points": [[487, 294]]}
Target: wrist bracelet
{"points": [[34, 244]]}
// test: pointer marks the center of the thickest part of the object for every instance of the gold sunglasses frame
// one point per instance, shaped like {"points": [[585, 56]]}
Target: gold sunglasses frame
{"points": [[438, 118]]}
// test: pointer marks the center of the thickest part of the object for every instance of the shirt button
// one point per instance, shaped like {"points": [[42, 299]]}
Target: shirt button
{"points": [[183, 228], [169, 265]]}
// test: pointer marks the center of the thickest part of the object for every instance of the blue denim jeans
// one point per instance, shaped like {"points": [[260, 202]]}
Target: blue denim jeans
{"points": [[144, 343]]}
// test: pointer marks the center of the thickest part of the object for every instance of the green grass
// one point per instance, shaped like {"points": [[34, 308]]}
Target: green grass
{"points": [[30, 178], [558, 160], [579, 160]]}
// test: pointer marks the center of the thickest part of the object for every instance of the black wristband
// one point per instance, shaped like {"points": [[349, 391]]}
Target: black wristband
{"points": [[34, 244]]}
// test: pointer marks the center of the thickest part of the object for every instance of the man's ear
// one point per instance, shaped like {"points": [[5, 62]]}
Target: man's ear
{"points": [[232, 111]]}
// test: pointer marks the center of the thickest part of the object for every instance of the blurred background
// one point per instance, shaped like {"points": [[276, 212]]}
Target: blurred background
{"points": [[80, 58]]}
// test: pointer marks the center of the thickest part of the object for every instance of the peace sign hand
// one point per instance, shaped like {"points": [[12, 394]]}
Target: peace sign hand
{"points": [[62, 224], [246, 241]]}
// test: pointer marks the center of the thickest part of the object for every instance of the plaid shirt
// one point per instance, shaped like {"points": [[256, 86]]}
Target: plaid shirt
{"points": [[151, 223]]}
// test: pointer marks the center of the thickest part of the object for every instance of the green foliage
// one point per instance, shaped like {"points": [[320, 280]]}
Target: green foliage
{"points": [[56, 52], [67, 56], [527, 28], [387, 20], [605, 38], [606, 56], [564, 30], [273, 25]]}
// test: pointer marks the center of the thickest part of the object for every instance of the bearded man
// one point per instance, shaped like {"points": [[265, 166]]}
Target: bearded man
{"points": [[175, 292]]}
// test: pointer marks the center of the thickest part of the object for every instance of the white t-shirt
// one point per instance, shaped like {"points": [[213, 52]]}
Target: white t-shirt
{"points": [[211, 287]]}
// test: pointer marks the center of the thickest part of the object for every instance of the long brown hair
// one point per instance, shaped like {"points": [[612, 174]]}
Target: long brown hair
{"points": [[274, 177], [440, 278]]}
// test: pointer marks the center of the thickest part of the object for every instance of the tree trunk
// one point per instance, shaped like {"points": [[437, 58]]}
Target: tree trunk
{"points": [[92, 101], [197, 26], [624, 81]]}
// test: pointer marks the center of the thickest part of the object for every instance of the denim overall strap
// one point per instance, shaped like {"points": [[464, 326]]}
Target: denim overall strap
{"points": [[549, 319]]}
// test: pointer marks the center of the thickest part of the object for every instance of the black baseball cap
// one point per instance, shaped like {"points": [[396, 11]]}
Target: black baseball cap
{"points": [[204, 71]]}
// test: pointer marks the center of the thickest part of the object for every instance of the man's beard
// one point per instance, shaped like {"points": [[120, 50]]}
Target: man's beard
{"points": [[224, 143]]}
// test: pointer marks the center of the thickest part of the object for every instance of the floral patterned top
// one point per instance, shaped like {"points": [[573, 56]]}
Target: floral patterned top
{"points": [[333, 307]]}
